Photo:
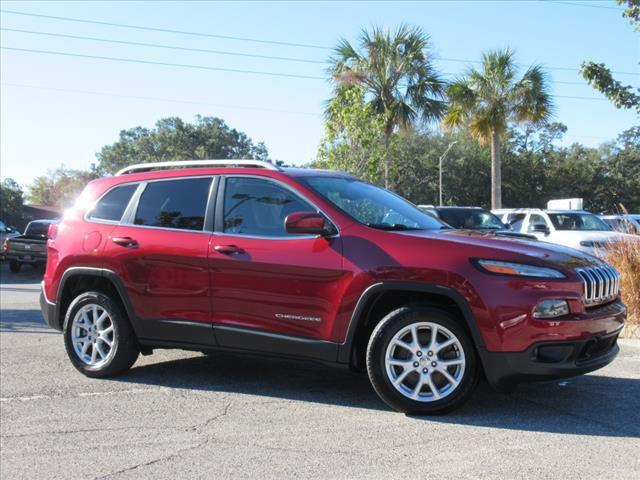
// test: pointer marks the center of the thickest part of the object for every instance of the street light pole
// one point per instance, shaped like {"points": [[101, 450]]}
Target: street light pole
{"points": [[441, 159]]}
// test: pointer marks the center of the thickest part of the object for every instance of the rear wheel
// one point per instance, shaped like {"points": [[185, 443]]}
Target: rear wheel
{"points": [[98, 337], [421, 360], [15, 266]]}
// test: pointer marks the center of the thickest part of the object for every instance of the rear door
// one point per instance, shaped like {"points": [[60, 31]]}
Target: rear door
{"points": [[160, 253], [263, 278]]}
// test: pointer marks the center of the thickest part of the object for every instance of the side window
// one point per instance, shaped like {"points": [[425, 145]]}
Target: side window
{"points": [[174, 204], [515, 220], [254, 206], [113, 204], [536, 219]]}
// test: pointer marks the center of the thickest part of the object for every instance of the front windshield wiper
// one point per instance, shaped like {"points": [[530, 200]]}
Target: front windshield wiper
{"points": [[395, 226]]}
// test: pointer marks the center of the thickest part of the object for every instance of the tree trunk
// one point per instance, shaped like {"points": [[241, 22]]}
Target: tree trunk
{"points": [[496, 171], [388, 131]]}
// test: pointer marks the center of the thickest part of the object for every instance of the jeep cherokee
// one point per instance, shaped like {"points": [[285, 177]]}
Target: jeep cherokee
{"points": [[246, 256]]}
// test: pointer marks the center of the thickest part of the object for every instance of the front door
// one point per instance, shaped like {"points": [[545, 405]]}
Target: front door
{"points": [[263, 278], [161, 256]]}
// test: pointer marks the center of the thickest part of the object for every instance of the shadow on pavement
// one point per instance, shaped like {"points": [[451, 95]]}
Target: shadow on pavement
{"points": [[587, 405], [23, 321]]}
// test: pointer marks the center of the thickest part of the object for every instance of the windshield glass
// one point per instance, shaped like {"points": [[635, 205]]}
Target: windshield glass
{"points": [[577, 221], [471, 219], [371, 205]]}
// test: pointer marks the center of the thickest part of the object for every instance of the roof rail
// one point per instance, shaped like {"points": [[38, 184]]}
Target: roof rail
{"points": [[144, 167]]}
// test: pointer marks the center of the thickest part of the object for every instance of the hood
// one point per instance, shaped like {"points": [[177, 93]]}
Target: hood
{"points": [[516, 246]]}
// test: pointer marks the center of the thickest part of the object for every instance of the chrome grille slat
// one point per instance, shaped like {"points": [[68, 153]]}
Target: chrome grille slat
{"points": [[601, 283]]}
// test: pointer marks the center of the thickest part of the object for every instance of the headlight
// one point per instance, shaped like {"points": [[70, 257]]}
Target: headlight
{"points": [[519, 269]]}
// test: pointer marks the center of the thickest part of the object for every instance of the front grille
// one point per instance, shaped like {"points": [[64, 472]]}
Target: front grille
{"points": [[601, 284]]}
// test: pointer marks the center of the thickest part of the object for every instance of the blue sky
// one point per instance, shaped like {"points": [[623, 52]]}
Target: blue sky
{"points": [[59, 109]]}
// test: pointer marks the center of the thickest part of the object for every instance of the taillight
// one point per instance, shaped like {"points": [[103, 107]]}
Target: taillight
{"points": [[5, 246], [52, 233]]}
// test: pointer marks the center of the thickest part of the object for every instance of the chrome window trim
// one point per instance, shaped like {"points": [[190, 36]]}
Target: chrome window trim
{"points": [[143, 186], [223, 178]]}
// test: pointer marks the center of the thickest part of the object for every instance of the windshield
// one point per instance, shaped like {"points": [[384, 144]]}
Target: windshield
{"points": [[471, 219], [577, 221], [371, 205]]}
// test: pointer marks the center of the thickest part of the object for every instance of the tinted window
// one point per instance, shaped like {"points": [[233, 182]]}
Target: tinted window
{"points": [[515, 220], [577, 221], [471, 219], [113, 204], [37, 229], [174, 204], [254, 206], [371, 205]]}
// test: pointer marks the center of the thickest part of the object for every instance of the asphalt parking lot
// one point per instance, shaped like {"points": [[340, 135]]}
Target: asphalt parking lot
{"points": [[185, 415]]}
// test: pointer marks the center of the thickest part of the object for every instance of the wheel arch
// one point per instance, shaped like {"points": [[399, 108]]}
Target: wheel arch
{"points": [[77, 280], [381, 298]]}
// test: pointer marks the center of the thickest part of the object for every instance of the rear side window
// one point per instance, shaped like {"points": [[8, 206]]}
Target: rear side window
{"points": [[113, 204], [177, 204]]}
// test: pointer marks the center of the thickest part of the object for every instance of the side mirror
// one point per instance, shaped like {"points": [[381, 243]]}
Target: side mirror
{"points": [[309, 223], [539, 229]]}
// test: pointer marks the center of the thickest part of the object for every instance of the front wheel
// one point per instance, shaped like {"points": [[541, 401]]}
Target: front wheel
{"points": [[98, 336], [420, 360]]}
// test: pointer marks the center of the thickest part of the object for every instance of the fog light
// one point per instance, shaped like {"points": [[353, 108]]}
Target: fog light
{"points": [[551, 309]]}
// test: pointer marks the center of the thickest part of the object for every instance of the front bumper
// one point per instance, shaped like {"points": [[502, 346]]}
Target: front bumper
{"points": [[49, 310], [550, 360]]}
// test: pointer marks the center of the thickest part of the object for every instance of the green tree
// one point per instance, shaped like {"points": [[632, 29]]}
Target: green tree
{"points": [[174, 139], [601, 78], [60, 187], [353, 140], [11, 201], [489, 99], [400, 82]]}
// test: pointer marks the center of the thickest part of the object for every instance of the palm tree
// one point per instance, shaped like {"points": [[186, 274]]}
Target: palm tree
{"points": [[399, 79], [487, 100]]}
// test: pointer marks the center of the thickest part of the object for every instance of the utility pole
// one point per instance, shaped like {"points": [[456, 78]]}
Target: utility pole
{"points": [[441, 159]]}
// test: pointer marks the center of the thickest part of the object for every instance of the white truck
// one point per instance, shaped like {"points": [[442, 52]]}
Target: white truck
{"points": [[571, 228]]}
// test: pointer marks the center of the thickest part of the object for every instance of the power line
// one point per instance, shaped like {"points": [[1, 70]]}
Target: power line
{"points": [[199, 50], [166, 64], [577, 4], [198, 67], [158, 45], [159, 99], [244, 39], [166, 30]]}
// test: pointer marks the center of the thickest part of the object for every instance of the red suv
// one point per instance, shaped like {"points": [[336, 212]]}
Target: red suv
{"points": [[313, 264]]}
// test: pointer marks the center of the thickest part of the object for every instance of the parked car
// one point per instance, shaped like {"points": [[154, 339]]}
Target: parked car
{"points": [[29, 248], [251, 257], [623, 223], [581, 230], [472, 218], [6, 232]]}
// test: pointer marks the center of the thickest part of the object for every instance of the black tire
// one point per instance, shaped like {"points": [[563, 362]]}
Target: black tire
{"points": [[126, 348], [15, 266], [379, 341]]}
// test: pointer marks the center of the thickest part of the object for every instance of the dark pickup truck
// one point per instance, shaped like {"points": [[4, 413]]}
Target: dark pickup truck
{"points": [[29, 248]]}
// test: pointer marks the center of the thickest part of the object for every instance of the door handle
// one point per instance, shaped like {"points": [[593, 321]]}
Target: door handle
{"points": [[228, 249], [125, 242]]}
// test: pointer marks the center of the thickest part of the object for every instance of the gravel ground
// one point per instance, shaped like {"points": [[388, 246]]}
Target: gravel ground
{"points": [[184, 415]]}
